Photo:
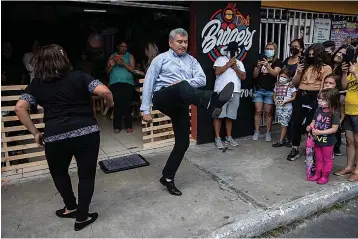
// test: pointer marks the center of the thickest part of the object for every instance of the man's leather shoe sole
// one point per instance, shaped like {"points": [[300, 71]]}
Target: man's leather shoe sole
{"points": [[223, 97]]}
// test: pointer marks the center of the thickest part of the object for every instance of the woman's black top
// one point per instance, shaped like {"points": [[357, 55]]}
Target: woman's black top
{"points": [[67, 104]]}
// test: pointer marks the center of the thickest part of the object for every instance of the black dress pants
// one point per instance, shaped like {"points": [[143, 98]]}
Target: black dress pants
{"points": [[59, 154], [174, 101]]}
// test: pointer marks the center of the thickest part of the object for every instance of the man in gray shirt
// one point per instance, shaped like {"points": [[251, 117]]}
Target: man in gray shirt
{"points": [[172, 81]]}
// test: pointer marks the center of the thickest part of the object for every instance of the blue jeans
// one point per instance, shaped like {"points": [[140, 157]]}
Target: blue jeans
{"points": [[265, 96]]}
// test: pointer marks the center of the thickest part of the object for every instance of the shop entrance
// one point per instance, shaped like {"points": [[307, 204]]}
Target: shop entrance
{"points": [[71, 24]]}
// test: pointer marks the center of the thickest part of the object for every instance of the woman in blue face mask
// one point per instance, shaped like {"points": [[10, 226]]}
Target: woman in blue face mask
{"points": [[265, 76]]}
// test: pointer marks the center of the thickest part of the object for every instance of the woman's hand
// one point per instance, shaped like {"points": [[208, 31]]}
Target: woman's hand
{"points": [[264, 62], [259, 64], [352, 68], [317, 132], [308, 128], [300, 67], [120, 61], [112, 62], [39, 139]]}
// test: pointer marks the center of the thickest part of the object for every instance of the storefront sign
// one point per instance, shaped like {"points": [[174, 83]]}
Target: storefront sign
{"points": [[227, 25], [217, 24], [341, 30], [321, 30]]}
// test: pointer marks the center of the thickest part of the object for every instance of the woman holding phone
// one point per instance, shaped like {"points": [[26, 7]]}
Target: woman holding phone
{"points": [[265, 77], [309, 79]]}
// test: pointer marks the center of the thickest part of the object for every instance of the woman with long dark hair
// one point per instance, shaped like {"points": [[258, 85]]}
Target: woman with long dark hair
{"points": [[309, 78], [336, 64], [71, 128]]}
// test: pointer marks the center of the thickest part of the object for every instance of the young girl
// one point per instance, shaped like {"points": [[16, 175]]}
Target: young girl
{"points": [[284, 94], [324, 125], [333, 81]]}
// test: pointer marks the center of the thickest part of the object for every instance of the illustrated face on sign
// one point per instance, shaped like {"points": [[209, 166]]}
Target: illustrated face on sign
{"points": [[229, 15], [179, 44]]}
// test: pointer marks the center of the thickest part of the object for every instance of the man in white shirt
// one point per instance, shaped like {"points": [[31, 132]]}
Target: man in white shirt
{"points": [[228, 69]]}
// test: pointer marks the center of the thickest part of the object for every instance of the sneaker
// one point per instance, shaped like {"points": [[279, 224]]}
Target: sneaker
{"points": [[217, 101], [231, 141], [337, 151], [268, 137], [279, 144], [293, 155], [256, 136], [288, 144], [219, 143]]}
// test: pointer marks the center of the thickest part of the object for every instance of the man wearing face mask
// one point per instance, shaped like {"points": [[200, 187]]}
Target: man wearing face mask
{"points": [[329, 48], [228, 69]]}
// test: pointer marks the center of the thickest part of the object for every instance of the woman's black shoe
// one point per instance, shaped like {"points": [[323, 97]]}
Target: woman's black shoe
{"points": [[61, 213], [80, 225]]}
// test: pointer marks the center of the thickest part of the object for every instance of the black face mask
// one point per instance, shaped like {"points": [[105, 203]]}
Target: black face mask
{"points": [[310, 60], [327, 57], [294, 51]]}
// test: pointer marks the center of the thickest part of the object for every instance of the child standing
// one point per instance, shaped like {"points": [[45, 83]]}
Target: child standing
{"points": [[324, 125], [333, 81], [284, 94]]}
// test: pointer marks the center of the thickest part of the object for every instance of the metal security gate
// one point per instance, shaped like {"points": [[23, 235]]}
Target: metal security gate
{"points": [[273, 28]]}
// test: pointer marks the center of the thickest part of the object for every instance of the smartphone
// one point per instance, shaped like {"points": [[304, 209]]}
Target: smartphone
{"points": [[302, 60], [349, 56], [263, 57]]}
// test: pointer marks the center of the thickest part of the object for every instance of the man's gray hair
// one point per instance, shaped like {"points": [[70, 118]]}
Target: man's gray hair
{"points": [[177, 31]]}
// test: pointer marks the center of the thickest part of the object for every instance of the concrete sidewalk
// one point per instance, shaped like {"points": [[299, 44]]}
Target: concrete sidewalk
{"points": [[240, 193]]}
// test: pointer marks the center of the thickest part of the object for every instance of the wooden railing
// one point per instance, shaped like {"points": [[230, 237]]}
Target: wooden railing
{"points": [[159, 132], [20, 155]]}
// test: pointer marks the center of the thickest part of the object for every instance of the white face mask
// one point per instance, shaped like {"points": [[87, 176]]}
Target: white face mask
{"points": [[322, 103], [282, 80]]}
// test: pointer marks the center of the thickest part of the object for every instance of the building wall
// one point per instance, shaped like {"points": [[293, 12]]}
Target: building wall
{"points": [[342, 7]]}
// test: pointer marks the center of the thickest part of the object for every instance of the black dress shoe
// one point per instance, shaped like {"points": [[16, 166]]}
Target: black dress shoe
{"points": [[170, 186], [217, 101]]}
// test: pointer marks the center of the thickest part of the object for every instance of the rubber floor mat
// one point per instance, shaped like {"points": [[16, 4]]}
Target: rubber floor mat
{"points": [[123, 163]]}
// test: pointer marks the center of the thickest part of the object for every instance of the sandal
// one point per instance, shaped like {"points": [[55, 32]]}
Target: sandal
{"points": [[353, 177], [343, 172], [61, 213]]}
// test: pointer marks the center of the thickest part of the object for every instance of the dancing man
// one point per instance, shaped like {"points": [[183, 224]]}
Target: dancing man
{"points": [[172, 80]]}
